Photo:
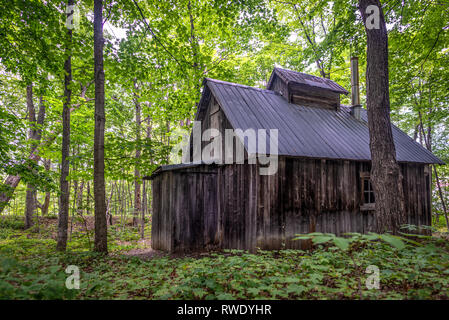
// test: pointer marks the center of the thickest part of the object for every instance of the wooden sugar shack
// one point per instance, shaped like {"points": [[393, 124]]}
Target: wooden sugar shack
{"points": [[322, 182]]}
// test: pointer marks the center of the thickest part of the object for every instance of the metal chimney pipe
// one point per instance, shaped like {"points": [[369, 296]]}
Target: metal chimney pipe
{"points": [[355, 94]]}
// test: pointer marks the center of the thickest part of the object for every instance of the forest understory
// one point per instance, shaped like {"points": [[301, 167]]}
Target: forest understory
{"points": [[30, 268]]}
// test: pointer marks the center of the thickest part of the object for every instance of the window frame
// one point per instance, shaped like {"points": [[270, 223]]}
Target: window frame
{"points": [[367, 206]]}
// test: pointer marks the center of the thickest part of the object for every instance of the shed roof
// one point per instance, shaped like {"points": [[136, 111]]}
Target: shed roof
{"points": [[307, 131], [172, 167], [290, 76]]}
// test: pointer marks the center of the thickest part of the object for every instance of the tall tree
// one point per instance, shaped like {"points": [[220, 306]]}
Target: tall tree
{"points": [[63, 219], [100, 243], [137, 195], [34, 136], [31, 192], [386, 174]]}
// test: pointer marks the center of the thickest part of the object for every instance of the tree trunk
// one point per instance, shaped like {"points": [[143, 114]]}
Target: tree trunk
{"points": [[108, 206], [122, 203], [88, 199], [63, 219], [75, 192], [9, 186], [137, 197], [79, 201], [385, 172], [100, 243], [30, 203], [144, 210], [167, 136], [44, 207], [130, 197], [116, 194], [34, 137]]}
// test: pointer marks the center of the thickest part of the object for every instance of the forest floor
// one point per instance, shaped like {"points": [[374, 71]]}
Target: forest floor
{"points": [[30, 268]]}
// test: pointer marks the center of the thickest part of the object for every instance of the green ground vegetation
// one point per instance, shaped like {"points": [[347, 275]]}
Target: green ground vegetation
{"points": [[410, 267]]}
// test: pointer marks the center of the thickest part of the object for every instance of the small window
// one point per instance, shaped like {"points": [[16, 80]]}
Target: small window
{"points": [[367, 197], [368, 192]]}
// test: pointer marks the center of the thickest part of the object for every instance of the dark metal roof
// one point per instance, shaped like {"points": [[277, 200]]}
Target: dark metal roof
{"points": [[307, 131], [171, 167], [290, 76]]}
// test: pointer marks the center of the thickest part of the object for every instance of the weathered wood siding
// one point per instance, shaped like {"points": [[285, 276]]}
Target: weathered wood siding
{"points": [[326, 196], [161, 228], [232, 206], [313, 196], [417, 192], [237, 205], [185, 210], [214, 117], [279, 86], [310, 96]]}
